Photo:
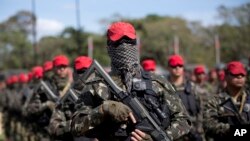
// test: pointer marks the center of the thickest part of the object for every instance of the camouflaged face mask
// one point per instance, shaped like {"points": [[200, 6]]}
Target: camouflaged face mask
{"points": [[125, 61], [123, 56]]}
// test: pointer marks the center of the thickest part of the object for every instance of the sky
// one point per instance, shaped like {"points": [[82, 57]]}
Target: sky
{"points": [[54, 15]]}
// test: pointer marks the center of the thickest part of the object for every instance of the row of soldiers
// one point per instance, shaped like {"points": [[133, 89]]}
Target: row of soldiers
{"points": [[183, 108]]}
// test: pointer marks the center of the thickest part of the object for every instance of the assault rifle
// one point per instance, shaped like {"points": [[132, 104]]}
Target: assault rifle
{"points": [[42, 85], [145, 122], [49, 93]]}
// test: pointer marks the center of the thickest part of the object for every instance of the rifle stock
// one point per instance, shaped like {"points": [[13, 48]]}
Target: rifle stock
{"points": [[145, 122]]}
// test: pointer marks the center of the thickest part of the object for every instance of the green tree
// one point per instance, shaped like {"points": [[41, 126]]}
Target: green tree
{"points": [[14, 45]]}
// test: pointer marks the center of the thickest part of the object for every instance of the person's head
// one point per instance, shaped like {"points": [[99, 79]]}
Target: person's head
{"points": [[149, 65], [48, 69], [221, 75], [60, 64], [48, 66], [235, 74], [200, 73], [37, 72], [23, 78], [81, 64], [30, 76], [8, 81], [213, 76], [176, 66], [121, 46], [14, 79]]}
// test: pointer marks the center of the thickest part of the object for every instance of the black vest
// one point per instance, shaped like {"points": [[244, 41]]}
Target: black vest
{"points": [[189, 100]]}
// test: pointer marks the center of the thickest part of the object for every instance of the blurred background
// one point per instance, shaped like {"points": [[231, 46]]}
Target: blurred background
{"points": [[211, 32], [204, 32]]}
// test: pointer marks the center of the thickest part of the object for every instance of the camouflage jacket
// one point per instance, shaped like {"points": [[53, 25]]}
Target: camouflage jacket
{"points": [[88, 117], [221, 112], [59, 127], [192, 100]]}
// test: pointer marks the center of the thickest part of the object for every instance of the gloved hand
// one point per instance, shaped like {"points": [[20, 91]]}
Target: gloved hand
{"points": [[48, 104], [117, 110]]}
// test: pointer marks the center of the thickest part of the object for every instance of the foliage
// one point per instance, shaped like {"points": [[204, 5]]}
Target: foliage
{"points": [[156, 34]]}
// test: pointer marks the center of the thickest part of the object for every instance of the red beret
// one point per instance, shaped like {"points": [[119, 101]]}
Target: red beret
{"points": [[119, 29], [199, 69], [8, 81], [221, 75], [212, 71], [47, 66], [175, 60], [23, 78], [236, 68], [37, 72], [14, 79], [60, 60], [149, 65], [30, 76], [82, 62]]}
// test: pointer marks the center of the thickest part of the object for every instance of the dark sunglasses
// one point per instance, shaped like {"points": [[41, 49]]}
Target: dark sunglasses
{"points": [[237, 75], [61, 67], [81, 71], [180, 66]]}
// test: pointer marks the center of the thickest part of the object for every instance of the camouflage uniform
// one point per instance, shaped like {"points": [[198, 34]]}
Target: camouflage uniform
{"points": [[39, 111], [220, 114], [205, 90], [193, 103], [88, 117], [5, 110], [41, 107], [59, 126], [60, 121], [26, 130]]}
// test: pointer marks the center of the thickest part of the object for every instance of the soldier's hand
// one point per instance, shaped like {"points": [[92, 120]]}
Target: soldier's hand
{"points": [[117, 110], [51, 105], [138, 135]]}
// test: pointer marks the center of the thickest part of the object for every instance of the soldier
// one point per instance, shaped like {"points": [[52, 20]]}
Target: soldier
{"points": [[22, 96], [187, 91], [61, 118], [48, 70], [204, 88], [230, 107], [106, 118], [5, 99], [61, 79], [13, 107], [222, 82], [23, 86], [39, 108], [213, 80]]}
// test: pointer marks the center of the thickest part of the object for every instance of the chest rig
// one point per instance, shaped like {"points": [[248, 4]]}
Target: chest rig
{"points": [[142, 88], [188, 98], [231, 112]]}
